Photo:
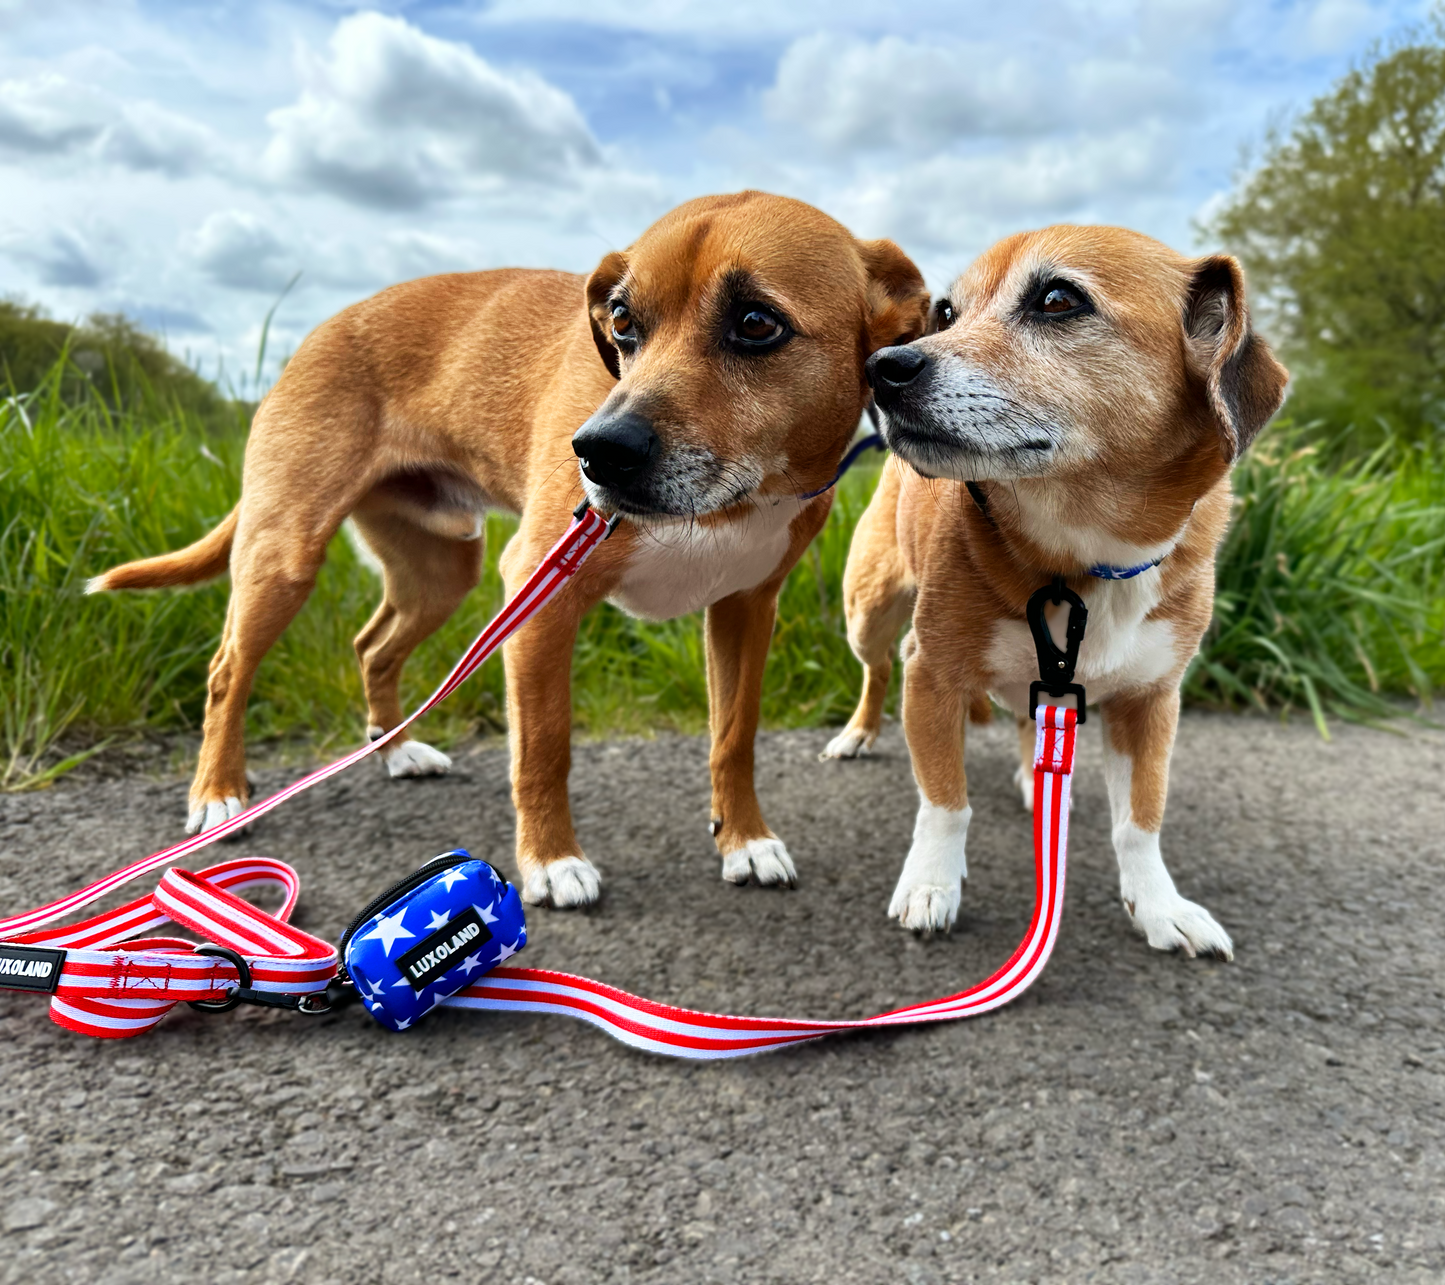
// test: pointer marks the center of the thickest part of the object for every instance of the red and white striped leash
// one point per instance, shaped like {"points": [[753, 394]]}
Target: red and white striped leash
{"points": [[686, 1033], [115, 982]]}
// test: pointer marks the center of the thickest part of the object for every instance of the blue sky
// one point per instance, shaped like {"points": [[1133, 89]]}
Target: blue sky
{"points": [[180, 162]]}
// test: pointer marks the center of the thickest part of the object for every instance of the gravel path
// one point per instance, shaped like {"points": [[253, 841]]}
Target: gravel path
{"points": [[1136, 1118]]}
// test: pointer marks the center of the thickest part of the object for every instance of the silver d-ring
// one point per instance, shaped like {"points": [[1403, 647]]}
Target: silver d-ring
{"points": [[243, 978]]}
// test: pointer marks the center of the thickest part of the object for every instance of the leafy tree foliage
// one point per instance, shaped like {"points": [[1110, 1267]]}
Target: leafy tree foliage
{"points": [[1342, 230]]}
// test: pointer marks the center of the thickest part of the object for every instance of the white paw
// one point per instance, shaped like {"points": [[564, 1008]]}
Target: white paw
{"points": [[931, 885], [1024, 779], [416, 758], [568, 881], [850, 743], [212, 814], [1169, 922], [762, 861], [925, 907]]}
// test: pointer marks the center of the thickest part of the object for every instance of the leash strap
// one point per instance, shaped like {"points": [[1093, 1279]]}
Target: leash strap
{"points": [[107, 979], [686, 1033], [111, 982]]}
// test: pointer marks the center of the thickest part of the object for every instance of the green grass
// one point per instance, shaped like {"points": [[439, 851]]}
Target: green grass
{"points": [[1331, 582], [1332, 598]]}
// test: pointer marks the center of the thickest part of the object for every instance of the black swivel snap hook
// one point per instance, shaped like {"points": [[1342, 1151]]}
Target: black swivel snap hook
{"points": [[1056, 668], [313, 1003]]}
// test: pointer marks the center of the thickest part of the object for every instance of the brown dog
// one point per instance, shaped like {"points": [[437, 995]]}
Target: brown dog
{"points": [[1092, 388], [709, 377]]}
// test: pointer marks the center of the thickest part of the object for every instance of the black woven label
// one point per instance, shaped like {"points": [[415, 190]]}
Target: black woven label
{"points": [[30, 968], [441, 951]]}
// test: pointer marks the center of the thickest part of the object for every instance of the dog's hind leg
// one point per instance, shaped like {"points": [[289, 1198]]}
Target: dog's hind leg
{"points": [[877, 600], [274, 561], [424, 577]]}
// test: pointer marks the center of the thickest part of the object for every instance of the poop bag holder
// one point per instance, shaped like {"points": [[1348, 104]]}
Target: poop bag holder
{"points": [[423, 939]]}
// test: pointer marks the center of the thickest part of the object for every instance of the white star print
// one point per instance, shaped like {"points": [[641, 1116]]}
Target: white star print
{"points": [[438, 920], [449, 877], [506, 952], [388, 929], [487, 916], [403, 1023], [376, 989], [471, 962]]}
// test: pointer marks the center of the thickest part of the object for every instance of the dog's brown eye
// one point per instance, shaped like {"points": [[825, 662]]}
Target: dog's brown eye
{"points": [[758, 329], [1059, 298], [758, 326], [943, 315], [621, 320]]}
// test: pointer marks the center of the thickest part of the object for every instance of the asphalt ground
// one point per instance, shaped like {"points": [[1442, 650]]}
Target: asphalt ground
{"points": [[1137, 1117]]}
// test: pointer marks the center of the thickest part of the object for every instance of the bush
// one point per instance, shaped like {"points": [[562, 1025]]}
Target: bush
{"points": [[1331, 597]]}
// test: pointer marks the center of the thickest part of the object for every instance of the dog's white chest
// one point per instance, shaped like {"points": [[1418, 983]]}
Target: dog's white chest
{"points": [[683, 567], [1121, 649]]}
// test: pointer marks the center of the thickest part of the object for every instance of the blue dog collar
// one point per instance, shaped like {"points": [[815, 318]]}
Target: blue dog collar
{"points": [[1105, 572]]}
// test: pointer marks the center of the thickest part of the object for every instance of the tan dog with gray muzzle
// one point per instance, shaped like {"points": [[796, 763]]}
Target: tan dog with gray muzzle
{"points": [[1077, 405], [709, 379]]}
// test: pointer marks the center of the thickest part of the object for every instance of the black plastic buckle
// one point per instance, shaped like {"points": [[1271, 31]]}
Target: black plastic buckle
{"points": [[1056, 668], [313, 1003]]}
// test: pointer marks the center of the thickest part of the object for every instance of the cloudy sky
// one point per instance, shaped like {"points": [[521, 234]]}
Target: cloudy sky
{"points": [[180, 162]]}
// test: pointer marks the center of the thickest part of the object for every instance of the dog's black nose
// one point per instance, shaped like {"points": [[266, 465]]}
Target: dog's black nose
{"points": [[615, 450], [895, 366]]}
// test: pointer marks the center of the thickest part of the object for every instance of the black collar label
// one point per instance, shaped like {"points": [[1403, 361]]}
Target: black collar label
{"points": [[30, 968], [439, 952]]}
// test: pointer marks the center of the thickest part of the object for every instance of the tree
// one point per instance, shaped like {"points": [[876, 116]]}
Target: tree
{"points": [[1342, 231]]}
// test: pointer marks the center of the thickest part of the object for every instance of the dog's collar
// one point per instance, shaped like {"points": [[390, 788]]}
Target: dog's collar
{"points": [[1100, 571]]}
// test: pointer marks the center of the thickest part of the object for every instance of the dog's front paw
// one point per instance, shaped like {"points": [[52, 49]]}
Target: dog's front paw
{"points": [[762, 861], [416, 758], [850, 743], [568, 881], [925, 907], [205, 816], [931, 886], [1169, 922]]}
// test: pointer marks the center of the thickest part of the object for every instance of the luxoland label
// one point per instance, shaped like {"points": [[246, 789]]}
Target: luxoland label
{"points": [[30, 968], [438, 953]]}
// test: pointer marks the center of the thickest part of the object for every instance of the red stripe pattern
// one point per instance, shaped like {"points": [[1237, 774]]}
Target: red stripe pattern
{"points": [[687, 1033]]}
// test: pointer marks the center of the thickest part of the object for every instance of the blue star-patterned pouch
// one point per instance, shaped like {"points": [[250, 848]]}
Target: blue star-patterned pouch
{"points": [[428, 936]]}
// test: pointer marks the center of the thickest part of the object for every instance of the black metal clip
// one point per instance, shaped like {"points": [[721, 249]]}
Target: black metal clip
{"points": [[1056, 668], [313, 1003]]}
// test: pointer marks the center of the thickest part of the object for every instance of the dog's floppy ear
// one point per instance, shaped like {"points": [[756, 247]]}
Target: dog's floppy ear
{"points": [[600, 285], [1244, 383], [897, 309]]}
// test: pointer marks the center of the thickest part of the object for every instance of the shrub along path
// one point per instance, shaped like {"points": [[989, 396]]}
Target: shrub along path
{"points": [[1136, 1118]]}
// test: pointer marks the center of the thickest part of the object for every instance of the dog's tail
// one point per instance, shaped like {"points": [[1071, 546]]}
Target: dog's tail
{"points": [[204, 560]]}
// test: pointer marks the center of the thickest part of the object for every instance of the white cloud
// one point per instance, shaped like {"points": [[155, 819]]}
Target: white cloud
{"points": [[66, 260], [952, 201], [398, 119], [1333, 25], [849, 94], [237, 249], [49, 115]]}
